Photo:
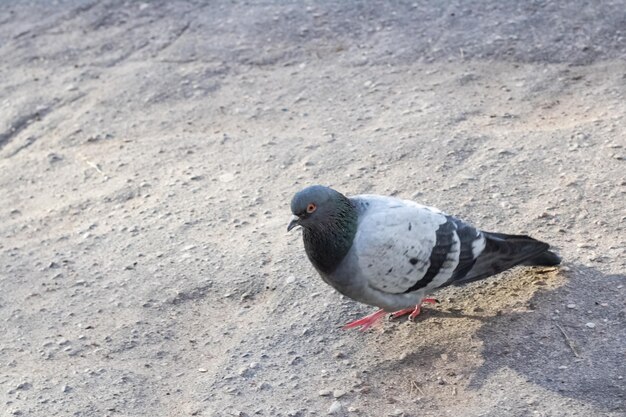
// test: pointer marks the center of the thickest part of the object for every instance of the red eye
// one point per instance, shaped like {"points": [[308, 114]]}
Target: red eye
{"points": [[310, 208]]}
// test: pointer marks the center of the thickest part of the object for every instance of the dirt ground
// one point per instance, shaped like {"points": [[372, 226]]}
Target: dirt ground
{"points": [[149, 151]]}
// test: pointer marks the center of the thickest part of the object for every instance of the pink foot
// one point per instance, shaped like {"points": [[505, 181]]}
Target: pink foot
{"points": [[402, 312], [367, 321], [413, 312]]}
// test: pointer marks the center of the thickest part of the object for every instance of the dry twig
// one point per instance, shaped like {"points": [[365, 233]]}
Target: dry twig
{"points": [[416, 387], [568, 340]]}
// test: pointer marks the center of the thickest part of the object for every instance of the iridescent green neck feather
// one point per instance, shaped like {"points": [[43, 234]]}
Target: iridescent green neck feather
{"points": [[328, 240]]}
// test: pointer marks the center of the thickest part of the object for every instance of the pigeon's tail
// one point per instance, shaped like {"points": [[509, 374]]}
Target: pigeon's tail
{"points": [[547, 258], [506, 251]]}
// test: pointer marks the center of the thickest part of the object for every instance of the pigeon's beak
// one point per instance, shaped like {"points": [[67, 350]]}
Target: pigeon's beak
{"points": [[295, 221]]}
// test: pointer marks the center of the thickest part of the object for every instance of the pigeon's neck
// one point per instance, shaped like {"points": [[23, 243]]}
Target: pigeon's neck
{"points": [[328, 242]]}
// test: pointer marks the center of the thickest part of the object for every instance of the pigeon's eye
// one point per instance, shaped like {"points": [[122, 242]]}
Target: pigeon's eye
{"points": [[311, 208]]}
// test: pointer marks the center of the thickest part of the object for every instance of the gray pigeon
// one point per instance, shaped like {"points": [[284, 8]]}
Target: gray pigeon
{"points": [[392, 253]]}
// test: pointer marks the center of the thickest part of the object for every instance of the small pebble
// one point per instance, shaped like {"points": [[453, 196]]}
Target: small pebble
{"points": [[202, 370], [335, 408], [324, 393], [226, 177], [338, 393], [23, 386], [571, 306], [590, 325], [396, 413]]}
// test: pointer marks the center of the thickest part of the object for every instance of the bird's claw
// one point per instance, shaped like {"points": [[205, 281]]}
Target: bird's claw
{"points": [[413, 312]]}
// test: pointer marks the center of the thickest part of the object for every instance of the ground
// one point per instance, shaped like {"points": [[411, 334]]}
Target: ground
{"points": [[149, 151]]}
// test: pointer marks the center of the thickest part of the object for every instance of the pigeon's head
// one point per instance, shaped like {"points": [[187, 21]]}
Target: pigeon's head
{"points": [[313, 206]]}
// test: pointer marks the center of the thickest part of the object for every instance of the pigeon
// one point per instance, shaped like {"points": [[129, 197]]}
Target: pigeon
{"points": [[393, 253]]}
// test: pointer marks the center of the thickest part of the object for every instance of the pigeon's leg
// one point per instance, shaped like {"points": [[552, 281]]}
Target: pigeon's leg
{"points": [[367, 321], [413, 311]]}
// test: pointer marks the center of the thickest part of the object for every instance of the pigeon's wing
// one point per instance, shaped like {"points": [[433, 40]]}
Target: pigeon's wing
{"points": [[402, 246]]}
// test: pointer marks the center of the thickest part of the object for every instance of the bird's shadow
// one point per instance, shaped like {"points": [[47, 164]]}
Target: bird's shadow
{"points": [[573, 342]]}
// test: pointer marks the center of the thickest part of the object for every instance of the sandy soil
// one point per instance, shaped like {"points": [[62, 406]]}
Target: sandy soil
{"points": [[148, 153]]}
